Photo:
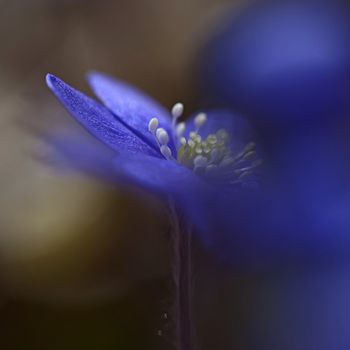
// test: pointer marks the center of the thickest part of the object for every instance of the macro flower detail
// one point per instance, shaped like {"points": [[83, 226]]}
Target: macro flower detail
{"points": [[153, 149], [210, 156], [183, 161]]}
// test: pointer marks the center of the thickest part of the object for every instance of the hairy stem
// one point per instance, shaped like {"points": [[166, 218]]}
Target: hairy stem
{"points": [[182, 270]]}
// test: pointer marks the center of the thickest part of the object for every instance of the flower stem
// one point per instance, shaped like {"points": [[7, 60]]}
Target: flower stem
{"points": [[182, 270]]}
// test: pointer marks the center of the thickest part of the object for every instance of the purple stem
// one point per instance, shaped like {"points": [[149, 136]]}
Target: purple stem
{"points": [[182, 269]]}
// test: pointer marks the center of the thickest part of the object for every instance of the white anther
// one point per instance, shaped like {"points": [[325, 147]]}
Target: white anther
{"points": [[199, 120], [191, 143], [193, 135], [183, 141], [162, 136], [177, 110], [166, 152], [180, 129], [153, 125], [199, 150], [200, 161]]}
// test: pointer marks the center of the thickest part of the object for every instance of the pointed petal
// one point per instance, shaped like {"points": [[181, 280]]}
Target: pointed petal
{"points": [[158, 175], [74, 151], [97, 119], [131, 105]]}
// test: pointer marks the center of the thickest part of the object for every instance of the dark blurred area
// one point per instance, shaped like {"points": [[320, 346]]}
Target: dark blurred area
{"points": [[85, 264]]}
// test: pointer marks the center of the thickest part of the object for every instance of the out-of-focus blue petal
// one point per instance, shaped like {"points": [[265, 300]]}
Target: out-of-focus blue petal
{"points": [[74, 151], [238, 128], [158, 175], [281, 61], [98, 120], [129, 104], [256, 229], [304, 308]]}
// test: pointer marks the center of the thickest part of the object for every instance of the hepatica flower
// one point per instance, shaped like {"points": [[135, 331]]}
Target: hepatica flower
{"points": [[184, 161], [152, 148]]}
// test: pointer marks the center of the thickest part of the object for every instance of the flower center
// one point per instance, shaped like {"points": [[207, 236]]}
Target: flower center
{"points": [[210, 155]]}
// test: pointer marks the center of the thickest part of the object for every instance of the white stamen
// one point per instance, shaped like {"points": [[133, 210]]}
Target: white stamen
{"points": [[153, 125], [191, 143], [203, 155], [199, 150], [180, 129], [166, 152], [193, 135], [198, 139], [162, 136], [199, 120], [200, 161], [177, 110]]}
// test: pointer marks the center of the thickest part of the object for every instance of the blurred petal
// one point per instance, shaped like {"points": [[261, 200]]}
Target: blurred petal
{"points": [[98, 119], [132, 106], [281, 61], [158, 175], [73, 151], [256, 229]]}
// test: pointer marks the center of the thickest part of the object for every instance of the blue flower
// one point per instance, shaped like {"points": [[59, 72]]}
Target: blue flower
{"points": [[281, 61], [148, 145], [203, 165]]}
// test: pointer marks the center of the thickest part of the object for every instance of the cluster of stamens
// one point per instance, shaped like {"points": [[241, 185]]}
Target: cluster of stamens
{"points": [[209, 155]]}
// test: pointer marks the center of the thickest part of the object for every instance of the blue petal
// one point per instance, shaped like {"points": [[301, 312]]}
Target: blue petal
{"points": [[98, 120], [158, 175], [238, 128], [74, 151], [129, 104], [259, 229]]}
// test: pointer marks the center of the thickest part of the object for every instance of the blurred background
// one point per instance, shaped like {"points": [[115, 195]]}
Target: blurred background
{"points": [[85, 265]]}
